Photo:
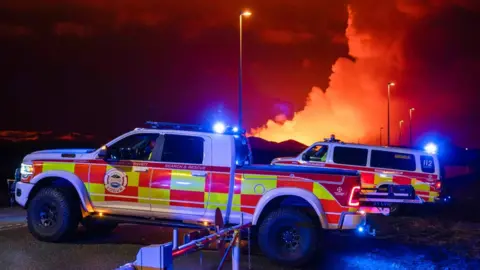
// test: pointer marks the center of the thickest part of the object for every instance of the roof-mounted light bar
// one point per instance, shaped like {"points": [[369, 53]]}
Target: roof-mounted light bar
{"points": [[218, 127]]}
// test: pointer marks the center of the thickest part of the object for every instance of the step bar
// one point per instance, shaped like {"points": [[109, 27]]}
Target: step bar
{"points": [[147, 221]]}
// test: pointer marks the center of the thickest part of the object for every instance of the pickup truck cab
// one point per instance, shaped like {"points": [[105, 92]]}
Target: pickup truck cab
{"points": [[178, 175], [390, 176]]}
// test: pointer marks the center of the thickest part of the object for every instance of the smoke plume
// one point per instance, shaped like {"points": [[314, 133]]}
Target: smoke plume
{"points": [[354, 106]]}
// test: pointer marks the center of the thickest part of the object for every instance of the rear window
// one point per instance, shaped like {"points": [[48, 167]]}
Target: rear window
{"points": [[243, 153], [183, 149], [392, 160], [427, 164], [350, 156]]}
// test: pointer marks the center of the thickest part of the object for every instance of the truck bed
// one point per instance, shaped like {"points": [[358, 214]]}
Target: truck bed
{"points": [[298, 169]]}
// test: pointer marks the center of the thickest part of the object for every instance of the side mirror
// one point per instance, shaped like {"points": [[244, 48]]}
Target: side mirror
{"points": [[305, 157], [102, 154]]}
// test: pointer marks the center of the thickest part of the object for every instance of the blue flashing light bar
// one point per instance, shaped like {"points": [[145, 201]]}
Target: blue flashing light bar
{"points": [[216, 128], [431, 148], [219, 127]]}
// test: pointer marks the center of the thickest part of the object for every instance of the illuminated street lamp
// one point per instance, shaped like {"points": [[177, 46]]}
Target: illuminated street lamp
{"points": [[400, 136], [388, 113], [410, 124], [243, 14]]}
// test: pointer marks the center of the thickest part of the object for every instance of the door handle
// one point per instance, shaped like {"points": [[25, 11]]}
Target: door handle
{"points": [[140, 169], [199, 173]]}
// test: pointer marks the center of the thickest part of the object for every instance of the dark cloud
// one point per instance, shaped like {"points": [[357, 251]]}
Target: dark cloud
{"points": [[69, 28], [14, 30]]}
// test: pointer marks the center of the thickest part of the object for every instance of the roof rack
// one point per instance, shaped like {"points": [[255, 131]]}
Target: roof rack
{"points": [[189, 127]]}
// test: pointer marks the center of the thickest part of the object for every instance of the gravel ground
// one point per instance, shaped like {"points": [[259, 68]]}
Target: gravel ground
{"points": [[389, 250]]}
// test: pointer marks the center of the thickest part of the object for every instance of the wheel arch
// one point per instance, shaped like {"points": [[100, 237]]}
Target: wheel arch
{"points": [[271, 198], [62, 178]]}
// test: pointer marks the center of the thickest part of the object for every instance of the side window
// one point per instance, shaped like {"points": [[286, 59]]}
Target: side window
{"points": [[183, 149], [350, 156], [317, 153], [133, 147], [427, 164], [392, 160], [242, 150]]}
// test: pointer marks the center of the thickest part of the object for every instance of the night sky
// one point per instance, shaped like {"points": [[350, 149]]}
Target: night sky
{"points": [[105, 66]]}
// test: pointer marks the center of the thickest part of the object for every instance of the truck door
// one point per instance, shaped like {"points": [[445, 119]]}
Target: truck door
{"points": [[180, 177], [122, 180], [316, 155]]}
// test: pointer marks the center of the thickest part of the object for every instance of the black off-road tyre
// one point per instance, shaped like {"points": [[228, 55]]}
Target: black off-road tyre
{"points": [[98, 227], [289, 237], [53, 215]]}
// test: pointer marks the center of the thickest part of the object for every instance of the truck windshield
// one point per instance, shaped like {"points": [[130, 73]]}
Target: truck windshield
{"points": [[243, 153]]}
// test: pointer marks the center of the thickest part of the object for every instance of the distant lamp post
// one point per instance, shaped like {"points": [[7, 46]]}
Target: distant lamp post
{"points": [[240, 66], [400, 136], [410, 124], [390, 84], [381, 129]]}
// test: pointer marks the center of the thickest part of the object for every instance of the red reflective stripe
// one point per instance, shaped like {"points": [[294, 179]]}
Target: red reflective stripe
{"points": [[249, 200], [333, 218], [81, 170], [237, 189], [331, 206], [179, 197], [220, 183], [368, 178], [161, 179], [130, 192], [378, 170], [402, 180], [37, 168], [144, 179], [97, 173], [307, 185]]}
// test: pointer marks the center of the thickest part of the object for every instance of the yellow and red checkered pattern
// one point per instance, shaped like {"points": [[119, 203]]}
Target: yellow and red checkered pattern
{"points": [[167, 187], [423, 189]]}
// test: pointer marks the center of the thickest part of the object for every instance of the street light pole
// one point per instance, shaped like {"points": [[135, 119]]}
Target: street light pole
{"points": [[410, 124], [400, 136], [240, 66], [388, 113]]}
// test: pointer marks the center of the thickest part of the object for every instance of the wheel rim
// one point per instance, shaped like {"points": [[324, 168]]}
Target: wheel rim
{"points": [[48, 215], [290, 239]]}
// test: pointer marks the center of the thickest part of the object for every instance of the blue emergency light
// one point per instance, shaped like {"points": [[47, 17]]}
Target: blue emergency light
{"points": [[219, 127], [431, 148]]}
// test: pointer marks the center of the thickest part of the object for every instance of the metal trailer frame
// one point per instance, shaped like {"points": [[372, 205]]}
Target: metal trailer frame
{"points": [[161, 256]]}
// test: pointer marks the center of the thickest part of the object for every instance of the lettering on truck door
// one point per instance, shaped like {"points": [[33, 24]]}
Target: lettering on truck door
{"points": [[122, 179], [179, 180]]}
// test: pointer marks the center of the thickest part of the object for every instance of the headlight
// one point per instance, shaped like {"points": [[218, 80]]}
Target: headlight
{"points": [[26, 169]]}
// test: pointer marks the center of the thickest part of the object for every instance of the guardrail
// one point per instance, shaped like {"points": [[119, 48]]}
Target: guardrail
{"points": [[161, 256]]}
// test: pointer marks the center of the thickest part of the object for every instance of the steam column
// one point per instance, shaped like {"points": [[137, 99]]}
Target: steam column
{"points": [[240, 65], [388, 113]]}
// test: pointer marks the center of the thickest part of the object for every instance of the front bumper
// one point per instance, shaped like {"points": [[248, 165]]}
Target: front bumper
{"points": [[22, 190], [352, 220]]}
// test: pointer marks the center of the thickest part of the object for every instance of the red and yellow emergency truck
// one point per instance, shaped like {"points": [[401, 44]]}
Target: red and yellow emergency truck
{"points": [[178, 175], [390, 176]]}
